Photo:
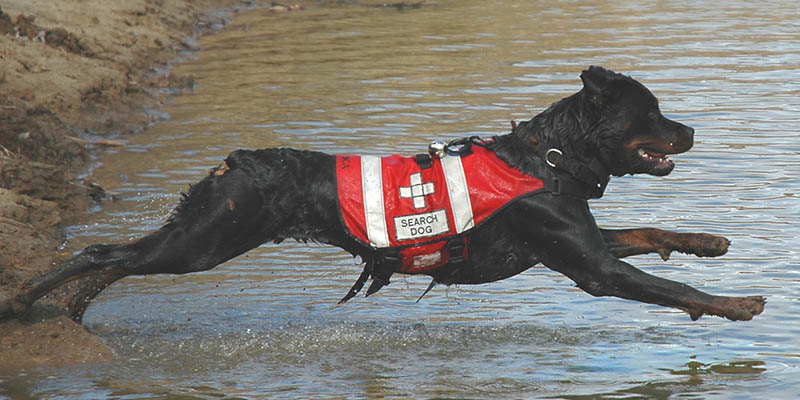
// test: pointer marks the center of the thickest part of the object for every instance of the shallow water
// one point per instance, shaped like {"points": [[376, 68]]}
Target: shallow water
{"points": [[378, 81]]}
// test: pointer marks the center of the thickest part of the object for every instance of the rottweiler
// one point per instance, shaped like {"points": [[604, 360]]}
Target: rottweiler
{"points": [[556, 162]]}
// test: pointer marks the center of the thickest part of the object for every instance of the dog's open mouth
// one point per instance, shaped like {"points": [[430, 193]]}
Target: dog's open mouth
{"points": [[657, 160]]}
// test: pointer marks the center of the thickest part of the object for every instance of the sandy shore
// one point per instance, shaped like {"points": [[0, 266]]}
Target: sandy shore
{"points": [[73, 76]]}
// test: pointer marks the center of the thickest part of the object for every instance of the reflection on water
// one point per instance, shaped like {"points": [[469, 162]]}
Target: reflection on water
{"points": [[348, 78]]}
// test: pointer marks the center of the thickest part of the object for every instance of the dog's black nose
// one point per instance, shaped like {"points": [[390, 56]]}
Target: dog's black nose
{"points": [[685, 139]]}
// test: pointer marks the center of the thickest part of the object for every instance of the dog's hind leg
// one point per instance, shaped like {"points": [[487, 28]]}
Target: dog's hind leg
{"points": [[183, 245], [88, 291], [83, 265], [259, 196], [628, 242]]}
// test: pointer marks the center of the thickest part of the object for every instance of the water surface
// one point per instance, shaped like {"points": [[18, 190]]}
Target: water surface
{"points": [[349, 78]]}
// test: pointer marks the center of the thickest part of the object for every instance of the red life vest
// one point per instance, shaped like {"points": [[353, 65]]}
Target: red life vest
{"points": [[394, 202]]}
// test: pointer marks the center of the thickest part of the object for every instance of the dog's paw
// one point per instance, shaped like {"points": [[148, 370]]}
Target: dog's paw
{"points": [[743, 308], [732, 308], [704, 245]]}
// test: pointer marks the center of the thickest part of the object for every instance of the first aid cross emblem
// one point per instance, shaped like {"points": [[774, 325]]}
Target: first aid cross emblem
{"points": [[417, 190]]}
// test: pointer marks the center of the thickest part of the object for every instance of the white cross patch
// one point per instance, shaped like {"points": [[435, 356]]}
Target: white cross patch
{"points": [[417, 190]]}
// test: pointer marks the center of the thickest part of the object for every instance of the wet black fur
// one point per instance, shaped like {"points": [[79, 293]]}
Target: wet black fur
{"points": [[274, 194]]}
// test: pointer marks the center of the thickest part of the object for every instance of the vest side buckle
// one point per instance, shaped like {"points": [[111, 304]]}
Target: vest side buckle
{"points": [[455, 250]]}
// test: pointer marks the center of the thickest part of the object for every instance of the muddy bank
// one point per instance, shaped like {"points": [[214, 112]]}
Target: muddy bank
{"points": [[73, 76]]}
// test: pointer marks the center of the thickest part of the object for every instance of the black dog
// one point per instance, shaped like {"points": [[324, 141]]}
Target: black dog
{"points": [[613, 126]]}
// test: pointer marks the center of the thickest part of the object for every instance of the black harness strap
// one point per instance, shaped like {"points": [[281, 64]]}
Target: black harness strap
{"points": [[365, 273], [391, 260], [457, 250], [464, 145], [589, 180]]}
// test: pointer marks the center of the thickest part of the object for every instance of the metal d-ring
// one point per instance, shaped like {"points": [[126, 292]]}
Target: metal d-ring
{"points": [[547, 156]]}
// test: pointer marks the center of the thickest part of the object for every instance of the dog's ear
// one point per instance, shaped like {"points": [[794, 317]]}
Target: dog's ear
{"points": [[595, 84]]}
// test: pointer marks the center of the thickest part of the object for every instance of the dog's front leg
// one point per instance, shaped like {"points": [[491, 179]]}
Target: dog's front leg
{"points": [[568, 241], [599, 273], [612, 277], [628, 242]]}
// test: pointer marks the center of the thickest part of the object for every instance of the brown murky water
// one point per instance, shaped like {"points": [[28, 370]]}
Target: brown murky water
{"points": [[350, 78]]}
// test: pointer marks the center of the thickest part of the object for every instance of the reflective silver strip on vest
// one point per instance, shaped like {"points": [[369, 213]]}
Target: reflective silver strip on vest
{"points": [[372, 186], [459, 193]]}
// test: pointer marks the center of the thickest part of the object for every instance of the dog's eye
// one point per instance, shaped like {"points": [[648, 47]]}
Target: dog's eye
{"points": [[652, 115]]}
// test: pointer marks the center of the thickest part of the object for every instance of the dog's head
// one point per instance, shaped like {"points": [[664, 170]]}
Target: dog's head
{"points": [[628, 131]]}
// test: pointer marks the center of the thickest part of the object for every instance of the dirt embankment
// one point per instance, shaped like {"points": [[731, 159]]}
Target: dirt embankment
{"points": [[73, 75]]}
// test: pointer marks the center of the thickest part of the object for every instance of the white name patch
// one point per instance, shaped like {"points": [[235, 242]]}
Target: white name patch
{"points": [[417, 226]]}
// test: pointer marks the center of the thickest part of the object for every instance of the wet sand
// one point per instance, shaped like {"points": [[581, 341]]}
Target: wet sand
{"points": [[74, 76]]}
